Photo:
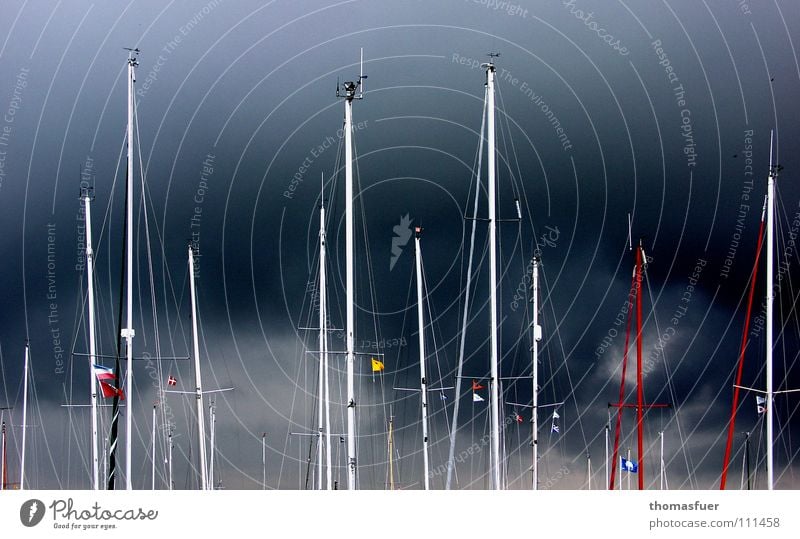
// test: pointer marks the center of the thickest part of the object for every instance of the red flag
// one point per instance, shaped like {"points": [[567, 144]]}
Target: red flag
{"points": [[171, 381], [518, 417], [476, 386], [110, 391]]}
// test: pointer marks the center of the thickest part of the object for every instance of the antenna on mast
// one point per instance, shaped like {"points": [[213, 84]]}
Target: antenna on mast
{"points": [[353, 90], [361, 76]]}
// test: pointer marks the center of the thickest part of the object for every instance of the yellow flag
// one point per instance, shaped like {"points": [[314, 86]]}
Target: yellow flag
{"points": [[377, 366]]}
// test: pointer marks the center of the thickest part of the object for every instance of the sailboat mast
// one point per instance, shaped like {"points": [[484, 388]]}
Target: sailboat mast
{"points": [[661, 474], [770, 301], [350, 93], [3, 459], [391, 451], [201, 434], [747, 457], [128, 332], [323, 411], [169, 456], [264, 461], [92, 337], [24, 415], [639, 386], [493, 322], [153, 457], [608, 428], [212, 425], [537, 336], [423, 377]]}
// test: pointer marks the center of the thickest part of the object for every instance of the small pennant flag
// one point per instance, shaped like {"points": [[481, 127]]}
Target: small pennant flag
{"points": [[761, 404], [629, 465], [377, 366], [475, 387], [442, 396], [553, 426], [172, 381], [518, 417]]}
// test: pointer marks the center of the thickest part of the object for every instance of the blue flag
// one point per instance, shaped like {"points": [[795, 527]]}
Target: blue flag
{"points": [[629, 465]]}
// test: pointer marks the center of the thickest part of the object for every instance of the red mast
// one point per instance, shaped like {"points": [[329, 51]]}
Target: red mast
{"points": [[639, 386], [740, 369], [621, 402], [636, 291]]}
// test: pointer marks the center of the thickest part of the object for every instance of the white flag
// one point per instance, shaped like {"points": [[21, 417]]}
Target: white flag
{"points": [[555, 415], [761, 404], [476, 397]]}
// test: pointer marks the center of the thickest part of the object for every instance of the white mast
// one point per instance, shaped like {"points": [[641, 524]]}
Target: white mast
{"points": [[350, 89], [661, 475], [606, 466], [127, 332], [3, 458], [537, 336], [264, 460], [212, 421], [153, 458], [201, 429], [629, 472], [92, 338], [324, 409], [493, 322], [24, 415], [169, 455], [423, 377], [588, 471], [770, 301]]}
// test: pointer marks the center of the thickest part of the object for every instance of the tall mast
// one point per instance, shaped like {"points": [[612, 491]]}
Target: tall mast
{"points": [[423, 377], [153, 457], [92, 337], [3, 472], [264, 460], [128, 332], [350, 93], [324, 410], [747, 457], [588, 471], [639, 386], [493, 322], [661, 474], [770, 301], [537, 336], [169, 456], [201, 428], [391, 451], [212, 425], [24, 415], [608, 427]]}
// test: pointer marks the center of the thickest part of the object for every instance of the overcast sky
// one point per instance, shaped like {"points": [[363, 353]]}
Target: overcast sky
{"points": [[660, 109]]}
